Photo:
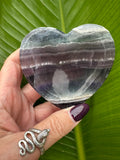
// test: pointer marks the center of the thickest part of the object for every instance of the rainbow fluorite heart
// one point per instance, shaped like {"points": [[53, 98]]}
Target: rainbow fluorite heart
{"points": [[67, 69]]}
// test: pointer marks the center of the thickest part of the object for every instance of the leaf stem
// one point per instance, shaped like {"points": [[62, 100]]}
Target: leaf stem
{"points": [[62, 16], [79, 143]]}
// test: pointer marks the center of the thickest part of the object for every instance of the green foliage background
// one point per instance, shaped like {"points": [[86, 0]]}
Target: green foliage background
{"points": [[98, 135]]}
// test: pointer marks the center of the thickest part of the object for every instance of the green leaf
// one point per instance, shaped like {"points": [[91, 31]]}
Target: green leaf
{"points": [[98, 135]]}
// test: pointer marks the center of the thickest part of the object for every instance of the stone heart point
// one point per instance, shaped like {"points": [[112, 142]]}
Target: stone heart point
{"points": [[67, 69]]}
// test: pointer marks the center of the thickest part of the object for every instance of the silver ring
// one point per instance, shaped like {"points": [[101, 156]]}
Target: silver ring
{"points": [[28, 145]]}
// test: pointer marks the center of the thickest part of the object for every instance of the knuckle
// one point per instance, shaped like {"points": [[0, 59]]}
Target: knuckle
{"points": [[57, 126]]}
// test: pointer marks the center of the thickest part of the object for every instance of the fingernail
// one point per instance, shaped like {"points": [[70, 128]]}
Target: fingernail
{"points": [[79, 111]]}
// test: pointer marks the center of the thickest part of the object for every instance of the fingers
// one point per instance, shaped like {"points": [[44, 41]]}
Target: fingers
{"points": [[59, 123], [44, 110], [11, 74], [30, 93]]}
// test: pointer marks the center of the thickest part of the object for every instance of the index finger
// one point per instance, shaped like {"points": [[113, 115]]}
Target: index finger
{"points": [[14, 57], [11, 74]]}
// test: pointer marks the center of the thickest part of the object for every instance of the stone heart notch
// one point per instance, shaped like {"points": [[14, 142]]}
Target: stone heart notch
{"points": [[67, 69]]}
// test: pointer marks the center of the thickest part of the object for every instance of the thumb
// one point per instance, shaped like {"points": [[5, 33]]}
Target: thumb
{"points": [[62, 122]]}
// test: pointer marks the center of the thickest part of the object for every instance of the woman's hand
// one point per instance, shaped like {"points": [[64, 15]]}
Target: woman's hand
{"points": [[17, 114]]}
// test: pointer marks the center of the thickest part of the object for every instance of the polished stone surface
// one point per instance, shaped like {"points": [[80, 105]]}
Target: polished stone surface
{"points": [[67, 69]]}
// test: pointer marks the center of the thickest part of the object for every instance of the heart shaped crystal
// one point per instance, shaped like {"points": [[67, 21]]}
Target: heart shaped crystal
{"points": [[67, 68]]}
